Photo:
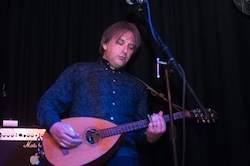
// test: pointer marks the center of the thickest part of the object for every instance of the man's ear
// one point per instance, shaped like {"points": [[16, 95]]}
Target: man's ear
{"points": [[104, 46]]}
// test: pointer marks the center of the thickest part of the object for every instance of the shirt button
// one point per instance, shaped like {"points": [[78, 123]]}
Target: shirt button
{"points": [[113, 92], [113, 80], [111, 118], [113, 103]]}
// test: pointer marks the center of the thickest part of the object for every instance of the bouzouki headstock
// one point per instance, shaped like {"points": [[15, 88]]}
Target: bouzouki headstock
{"points": [[203, 116]]}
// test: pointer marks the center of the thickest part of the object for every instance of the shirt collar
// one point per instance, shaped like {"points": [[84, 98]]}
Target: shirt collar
{"points": [[103, 62]]}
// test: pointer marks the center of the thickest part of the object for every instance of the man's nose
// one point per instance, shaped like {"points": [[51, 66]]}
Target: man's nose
{"points": [[125, 49]]}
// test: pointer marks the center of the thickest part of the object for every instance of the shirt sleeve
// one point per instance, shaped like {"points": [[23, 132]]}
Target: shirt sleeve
{"points": [[56, 99]]}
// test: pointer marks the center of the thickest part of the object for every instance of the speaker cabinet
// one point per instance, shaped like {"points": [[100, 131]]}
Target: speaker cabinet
{"points": [[19, 153], [21, 146]]}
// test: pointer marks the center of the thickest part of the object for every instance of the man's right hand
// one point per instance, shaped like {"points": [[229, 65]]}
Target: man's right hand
{"points": [[65, 135]]}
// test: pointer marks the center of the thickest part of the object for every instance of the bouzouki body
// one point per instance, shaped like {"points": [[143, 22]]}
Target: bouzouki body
{"points": [[89, 150]]}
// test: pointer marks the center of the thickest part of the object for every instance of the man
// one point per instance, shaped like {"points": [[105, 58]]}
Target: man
{"points": [[103, 90]]}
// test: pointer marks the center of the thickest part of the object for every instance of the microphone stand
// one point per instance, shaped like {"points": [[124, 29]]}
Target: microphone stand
{"points": [[178, 68], [167, 52], [172, 129]]}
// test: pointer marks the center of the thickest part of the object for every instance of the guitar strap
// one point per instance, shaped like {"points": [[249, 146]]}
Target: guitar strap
{"points": [[161, 95], [153, 91]]}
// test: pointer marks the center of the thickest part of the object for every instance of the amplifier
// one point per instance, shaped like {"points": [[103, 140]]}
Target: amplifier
{"points": [[21, 146]]}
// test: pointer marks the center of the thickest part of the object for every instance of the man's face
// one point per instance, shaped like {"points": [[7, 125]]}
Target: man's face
{"points": [[119, 50]]}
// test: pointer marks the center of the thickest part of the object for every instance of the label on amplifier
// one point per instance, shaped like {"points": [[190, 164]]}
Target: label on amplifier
{"points": [[21, 134]]}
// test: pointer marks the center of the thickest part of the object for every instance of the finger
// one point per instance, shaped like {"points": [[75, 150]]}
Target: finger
{"points": [[63, 144], [70, 144], [161, 125], [76, 142], [154, 120], [159, 122], [72, 132], [150, 125]]}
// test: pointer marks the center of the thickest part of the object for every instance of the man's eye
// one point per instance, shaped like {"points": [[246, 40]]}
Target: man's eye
{"points": [[120, 42], [131, 46]]}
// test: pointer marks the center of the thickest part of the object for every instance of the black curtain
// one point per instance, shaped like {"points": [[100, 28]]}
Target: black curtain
{"points": [[209, 39]]}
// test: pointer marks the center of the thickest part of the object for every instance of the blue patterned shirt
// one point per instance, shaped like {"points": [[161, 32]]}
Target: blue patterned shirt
{"points": [[93, 89]]}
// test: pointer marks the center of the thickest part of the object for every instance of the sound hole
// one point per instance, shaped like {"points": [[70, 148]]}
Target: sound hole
{"points": [[92, 136]]}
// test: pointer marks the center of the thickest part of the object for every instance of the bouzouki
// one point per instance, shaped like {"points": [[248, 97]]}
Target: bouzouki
{"points": [[102, 138]]}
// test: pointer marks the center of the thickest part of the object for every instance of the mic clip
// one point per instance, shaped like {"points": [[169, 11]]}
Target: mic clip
{"points": [[161, 62], [158, 63]]}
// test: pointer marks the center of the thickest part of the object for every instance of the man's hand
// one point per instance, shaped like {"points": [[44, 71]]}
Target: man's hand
{"points": [[65, 135], [156, 127]]}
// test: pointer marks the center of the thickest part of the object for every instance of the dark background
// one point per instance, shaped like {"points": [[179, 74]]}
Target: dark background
{"points": [[210, 40]]}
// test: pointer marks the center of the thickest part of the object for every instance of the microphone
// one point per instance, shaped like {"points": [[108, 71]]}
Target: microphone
{"points": [[134, 2]]}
